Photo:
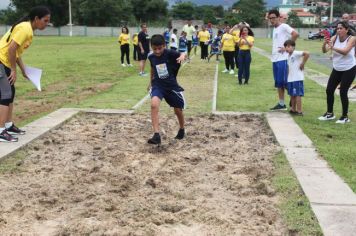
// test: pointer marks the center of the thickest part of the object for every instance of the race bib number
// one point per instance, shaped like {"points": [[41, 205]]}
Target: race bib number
{"points": [[162, 71]]}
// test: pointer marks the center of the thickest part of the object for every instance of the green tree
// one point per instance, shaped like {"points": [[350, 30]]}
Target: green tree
{"points": [[253, 12], [293, 20], [59, 9], [102, 12], [184, 10], [341, 6], [149, 10]]}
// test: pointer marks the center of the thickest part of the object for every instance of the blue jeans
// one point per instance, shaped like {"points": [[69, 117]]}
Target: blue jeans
{"points": [[244, 64]]}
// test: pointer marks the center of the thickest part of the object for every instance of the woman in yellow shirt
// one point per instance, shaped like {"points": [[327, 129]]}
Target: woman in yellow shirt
{"points": [[124, 41], [245, 43], [135, 45], [12, 45], [204, 37], [228, 42]]}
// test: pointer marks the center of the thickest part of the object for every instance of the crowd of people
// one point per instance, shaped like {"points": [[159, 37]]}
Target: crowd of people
{"points": [[167, 51]]}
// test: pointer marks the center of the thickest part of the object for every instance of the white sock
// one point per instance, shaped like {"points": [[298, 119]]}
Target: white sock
{"points": [[2, 129], [8, 124]]}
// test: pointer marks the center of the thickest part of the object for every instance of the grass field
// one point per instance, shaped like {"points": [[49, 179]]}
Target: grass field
{"points": [[86, 72]]}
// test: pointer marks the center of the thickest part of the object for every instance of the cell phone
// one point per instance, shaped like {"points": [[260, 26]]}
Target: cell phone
{"points": [[326, 34]]}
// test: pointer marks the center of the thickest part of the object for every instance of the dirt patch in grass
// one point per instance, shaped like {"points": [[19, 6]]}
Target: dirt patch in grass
{"points": [[97, 175], [52, 98]]}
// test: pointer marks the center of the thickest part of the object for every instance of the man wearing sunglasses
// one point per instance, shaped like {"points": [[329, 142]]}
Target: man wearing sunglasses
{"points": [[281, 33]]}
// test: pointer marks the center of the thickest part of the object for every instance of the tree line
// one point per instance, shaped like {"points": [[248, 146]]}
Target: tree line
{"points": [[132, 12]]}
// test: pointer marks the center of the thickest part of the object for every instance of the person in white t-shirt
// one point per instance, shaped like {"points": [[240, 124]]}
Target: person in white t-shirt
{"points": [[174, 40], [281, 33], [295, 85]]}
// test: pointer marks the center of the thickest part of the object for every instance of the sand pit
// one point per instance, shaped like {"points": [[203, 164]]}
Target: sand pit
{"points": [[96, 175]]}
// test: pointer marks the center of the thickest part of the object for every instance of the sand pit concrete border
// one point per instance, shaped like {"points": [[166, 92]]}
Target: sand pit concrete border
{"points": [[332, 200]]}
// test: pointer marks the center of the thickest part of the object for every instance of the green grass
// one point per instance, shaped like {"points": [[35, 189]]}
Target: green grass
{"points": [[294, 205]]}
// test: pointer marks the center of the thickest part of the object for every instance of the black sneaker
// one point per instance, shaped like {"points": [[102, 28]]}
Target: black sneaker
{"points": [[156, 139], [6, 137], [293, 112], [246, 82], [240, 82], [279, 107], [343, 120], [15, 130], [180, 134], [327, 116]]}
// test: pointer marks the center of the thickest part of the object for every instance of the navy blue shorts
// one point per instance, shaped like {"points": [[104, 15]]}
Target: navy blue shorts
{"points": [[280, 73], [174, 98], [215, 52], [296, 88]]}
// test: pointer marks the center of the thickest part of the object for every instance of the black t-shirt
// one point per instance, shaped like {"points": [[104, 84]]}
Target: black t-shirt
{"points": [[165, 69], [145, 41]]}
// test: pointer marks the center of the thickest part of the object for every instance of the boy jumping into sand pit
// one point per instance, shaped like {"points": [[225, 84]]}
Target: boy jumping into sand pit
{"points": [[165, 64]]}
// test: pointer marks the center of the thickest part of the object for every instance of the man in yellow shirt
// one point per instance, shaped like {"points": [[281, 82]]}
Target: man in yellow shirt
{"points": [[12, 45], [204, 37], [190, 30]]}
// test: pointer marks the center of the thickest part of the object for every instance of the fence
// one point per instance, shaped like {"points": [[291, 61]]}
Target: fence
{"points": [[87, 31]]}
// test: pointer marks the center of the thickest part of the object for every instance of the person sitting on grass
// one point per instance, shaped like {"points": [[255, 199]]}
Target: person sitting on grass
{"points": [[216, 46], [295, 85], [165, 64]]}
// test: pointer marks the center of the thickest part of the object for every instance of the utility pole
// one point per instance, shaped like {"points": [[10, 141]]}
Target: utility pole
{"points": [[70, 19], [331, 11]]}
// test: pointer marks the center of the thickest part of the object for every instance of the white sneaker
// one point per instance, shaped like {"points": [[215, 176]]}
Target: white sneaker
{"points": [[232, 72], [123, 65], [327, 116], [143, 74], [225, 71], [343, 120], [130, 65]]}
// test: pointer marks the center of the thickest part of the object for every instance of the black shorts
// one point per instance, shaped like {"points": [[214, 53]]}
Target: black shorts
{"points": [[7, 91], [142, 57]]}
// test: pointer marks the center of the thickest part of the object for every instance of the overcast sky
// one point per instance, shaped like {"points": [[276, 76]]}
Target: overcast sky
{"points": [[4, 3]]}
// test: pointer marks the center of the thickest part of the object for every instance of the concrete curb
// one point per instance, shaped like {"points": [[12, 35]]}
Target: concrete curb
{"points": [[332, 200]]}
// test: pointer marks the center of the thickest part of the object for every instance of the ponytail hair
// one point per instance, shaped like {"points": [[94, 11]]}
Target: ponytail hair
{"points": [[39, 11]]}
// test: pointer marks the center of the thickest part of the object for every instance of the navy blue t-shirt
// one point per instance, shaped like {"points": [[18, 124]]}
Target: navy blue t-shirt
{"points": [[145, 41], [165, 69]]}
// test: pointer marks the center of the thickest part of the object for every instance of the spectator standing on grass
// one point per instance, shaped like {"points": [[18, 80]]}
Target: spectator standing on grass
{"points": [[183, 43], [135, 46], [195, 39], [165, 64], [12, 46], [144, 48], [281, 33], [245, 43], [295, 86], [342, 46], [346, 18], [204, 38], [190, 30], [124, 41], [174, 40], [167, 36], [235, 31], [228, 42], [216, 46]]}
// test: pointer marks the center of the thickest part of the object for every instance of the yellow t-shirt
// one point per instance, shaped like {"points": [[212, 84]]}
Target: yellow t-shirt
{"points": [[228, 42], [236, 33], [204, 36], [135, 40], [124, 39], [243, 45], [22, 35]]}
